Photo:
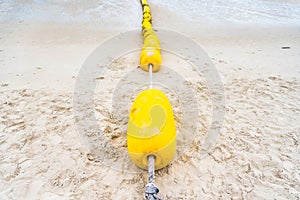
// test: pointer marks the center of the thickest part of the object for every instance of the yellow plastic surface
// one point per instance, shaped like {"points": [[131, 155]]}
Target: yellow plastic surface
{"points": [[151, 129], [151, 49]]}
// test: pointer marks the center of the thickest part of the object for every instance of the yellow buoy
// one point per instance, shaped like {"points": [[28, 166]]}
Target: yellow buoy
{"points": [[151, 51], [151, 48], [151, 129]]}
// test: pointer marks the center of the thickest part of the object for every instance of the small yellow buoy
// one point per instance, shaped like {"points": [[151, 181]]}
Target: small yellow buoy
{"points": [[151, 51], [151, 129], [151, 48]]}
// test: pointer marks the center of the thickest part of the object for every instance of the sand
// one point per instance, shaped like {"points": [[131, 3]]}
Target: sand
{"points": [[42, 155]]}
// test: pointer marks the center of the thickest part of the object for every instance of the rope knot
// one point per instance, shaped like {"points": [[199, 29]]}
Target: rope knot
{"points": [[151, 192]]}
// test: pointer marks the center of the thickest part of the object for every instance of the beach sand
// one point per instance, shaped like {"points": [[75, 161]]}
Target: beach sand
{"points": [[42, 156]]}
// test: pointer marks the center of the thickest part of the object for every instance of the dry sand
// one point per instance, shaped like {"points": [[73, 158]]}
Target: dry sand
{"points": [[256, 157]]}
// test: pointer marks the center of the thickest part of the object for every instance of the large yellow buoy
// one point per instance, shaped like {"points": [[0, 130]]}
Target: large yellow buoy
{"points": [[151, 129]]}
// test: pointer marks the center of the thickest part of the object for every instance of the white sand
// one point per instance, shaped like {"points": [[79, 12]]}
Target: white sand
{"points": [[257, 156]]}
